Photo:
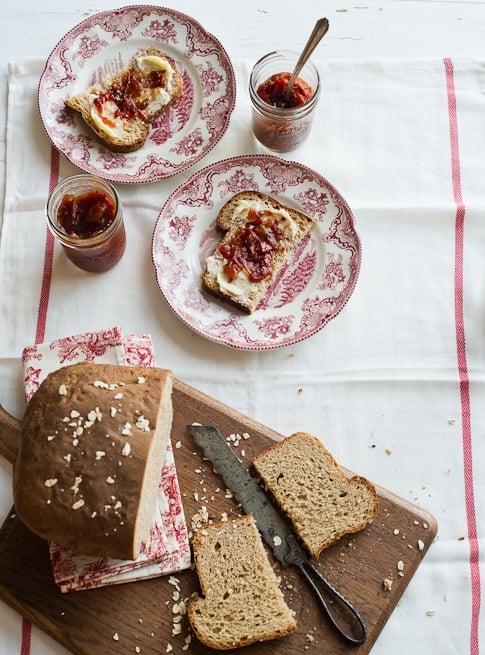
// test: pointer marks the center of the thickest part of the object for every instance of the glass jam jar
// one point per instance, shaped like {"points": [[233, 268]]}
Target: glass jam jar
{"points": [[282, 126], [84, 214]]}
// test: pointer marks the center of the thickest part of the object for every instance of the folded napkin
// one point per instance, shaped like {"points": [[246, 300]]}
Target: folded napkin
{"points": [[167, 550]]}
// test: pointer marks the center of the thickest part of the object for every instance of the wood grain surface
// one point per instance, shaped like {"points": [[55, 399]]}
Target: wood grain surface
{"points": [[138, 617]]}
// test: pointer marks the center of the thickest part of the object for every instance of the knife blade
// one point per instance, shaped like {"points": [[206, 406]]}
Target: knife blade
{"points": [[276, 531]]}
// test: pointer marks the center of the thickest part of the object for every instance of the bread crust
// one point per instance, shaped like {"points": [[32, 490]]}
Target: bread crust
{"points": [[229, 225], [241, 600], [135, 130], [310, 487], [93, 443]]}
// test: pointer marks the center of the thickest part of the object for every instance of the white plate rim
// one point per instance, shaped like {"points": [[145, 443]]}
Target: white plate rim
{"points": [[231, 316], [152, 175]]}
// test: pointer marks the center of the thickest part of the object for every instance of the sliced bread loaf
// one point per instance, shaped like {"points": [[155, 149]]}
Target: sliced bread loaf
{"points": [[92, 448], [259, 237], [241, 600], [120, 109], [309, 486]]}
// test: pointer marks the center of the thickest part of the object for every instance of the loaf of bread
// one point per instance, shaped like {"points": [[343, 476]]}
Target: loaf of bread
{"points": [[120, 109], [259, 237], [92, 448], [241, 600], [309, 486]]}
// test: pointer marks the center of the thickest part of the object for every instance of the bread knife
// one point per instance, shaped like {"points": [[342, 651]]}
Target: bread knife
{"points": [[276, 531]]}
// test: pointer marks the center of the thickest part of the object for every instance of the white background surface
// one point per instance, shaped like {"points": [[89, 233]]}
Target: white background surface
{"points": [[379, 384]]}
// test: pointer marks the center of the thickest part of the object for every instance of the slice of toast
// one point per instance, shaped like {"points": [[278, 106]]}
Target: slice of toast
{"points": [[313, 491], [120, 109], [256, 229], [241, 602]]}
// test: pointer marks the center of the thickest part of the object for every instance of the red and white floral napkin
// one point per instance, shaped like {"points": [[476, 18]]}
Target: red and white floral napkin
{"points": [[167, 550]]}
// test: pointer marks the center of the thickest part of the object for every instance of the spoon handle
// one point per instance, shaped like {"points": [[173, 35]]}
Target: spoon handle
{"points": [[319, 31]]}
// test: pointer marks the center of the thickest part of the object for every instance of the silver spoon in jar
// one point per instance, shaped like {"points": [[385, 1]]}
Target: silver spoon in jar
{"points": [[319, 31]]}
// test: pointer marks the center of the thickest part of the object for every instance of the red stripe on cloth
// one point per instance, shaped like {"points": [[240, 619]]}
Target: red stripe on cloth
{"points": [[26, 635], [462, 361], [40, 331], [48, 258]]}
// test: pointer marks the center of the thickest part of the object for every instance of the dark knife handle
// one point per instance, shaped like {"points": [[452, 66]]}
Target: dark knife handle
{"points": [[343, 616]]}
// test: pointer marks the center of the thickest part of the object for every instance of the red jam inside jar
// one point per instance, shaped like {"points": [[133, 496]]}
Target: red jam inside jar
{"points": [[273, 91], [87, 215], [253, 247], [86, 218]]}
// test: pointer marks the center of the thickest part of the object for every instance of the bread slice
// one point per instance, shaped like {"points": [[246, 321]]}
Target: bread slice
{"points": [[309, 486], [241, 600], [93, 444], [235, 221], [120, 109]]}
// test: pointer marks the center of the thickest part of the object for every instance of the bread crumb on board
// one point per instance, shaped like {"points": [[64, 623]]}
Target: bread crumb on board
{"points": [[235, 438], [200, 518], [179, 613], [387, 584], [203, 514], [311, 640]]}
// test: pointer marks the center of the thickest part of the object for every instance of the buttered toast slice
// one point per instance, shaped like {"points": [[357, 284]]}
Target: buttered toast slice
{"points": [[120, 109], [260, 235]]}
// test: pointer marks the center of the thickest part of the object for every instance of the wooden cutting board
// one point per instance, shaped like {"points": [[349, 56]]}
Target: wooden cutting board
{"points": [[138, 617]]}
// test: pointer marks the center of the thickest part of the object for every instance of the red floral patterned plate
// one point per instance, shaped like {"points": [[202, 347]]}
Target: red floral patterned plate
{"points": [[106, 42], [311, 290]]}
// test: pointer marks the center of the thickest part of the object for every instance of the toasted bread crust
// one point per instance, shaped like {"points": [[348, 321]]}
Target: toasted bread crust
{"points": [[77, 454], [229, 225], [135, 130]]}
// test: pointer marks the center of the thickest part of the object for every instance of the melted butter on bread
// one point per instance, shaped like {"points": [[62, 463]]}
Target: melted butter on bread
{"points": [[106, 120], [147, 63], [216, 262], [126, 130], [283, 228], [113, 125], [159, 95], [244, 205], [242, 284]]}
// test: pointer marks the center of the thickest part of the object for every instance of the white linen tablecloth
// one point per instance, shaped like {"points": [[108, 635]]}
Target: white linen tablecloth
{"points": [[394, 386]]}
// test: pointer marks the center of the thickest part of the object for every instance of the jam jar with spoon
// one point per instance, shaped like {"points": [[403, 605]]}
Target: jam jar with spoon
{"points": [[284, 88]]}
